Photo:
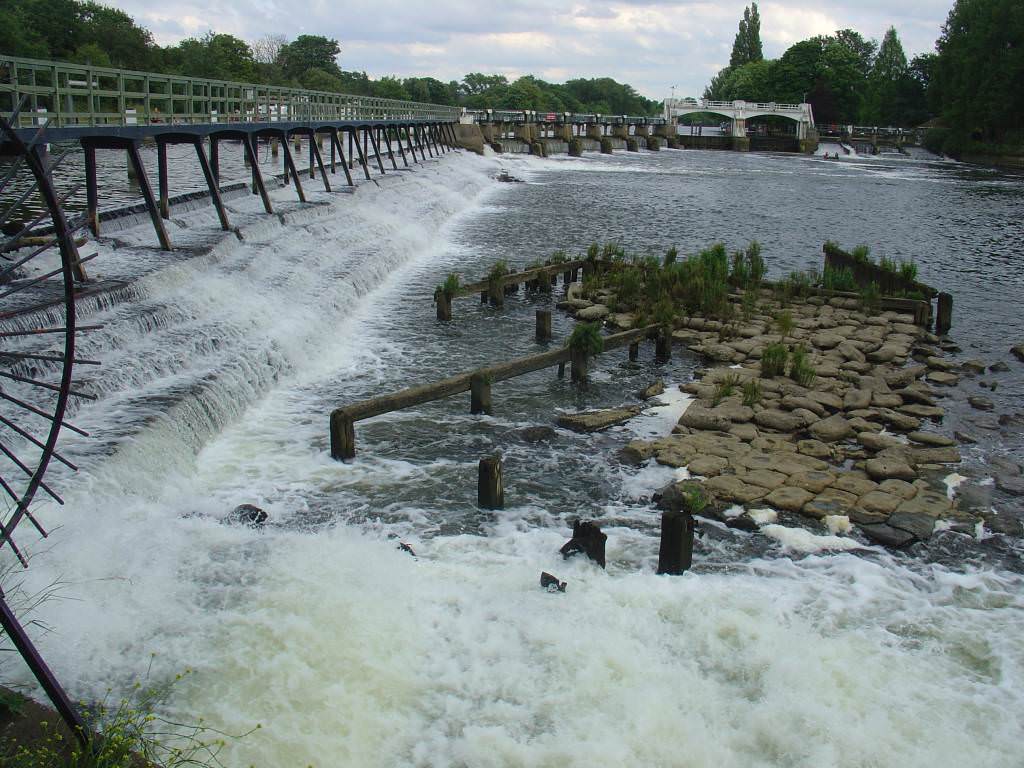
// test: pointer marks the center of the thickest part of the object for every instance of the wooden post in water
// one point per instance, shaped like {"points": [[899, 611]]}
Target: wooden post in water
{"points": [[944, 316], [496, 291], [444, 305], [578, 359], [343, 436], [490, 491], [480, 394], [543, 325], [676, 552], [634, 351], [663, 345]]}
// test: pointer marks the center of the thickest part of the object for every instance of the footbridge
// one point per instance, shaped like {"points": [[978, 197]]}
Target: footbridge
{"points": [[739, 112], [101, 108]]}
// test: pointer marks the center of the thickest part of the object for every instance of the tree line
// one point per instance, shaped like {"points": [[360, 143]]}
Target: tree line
{"points": [[87, 32], [968, 91]]}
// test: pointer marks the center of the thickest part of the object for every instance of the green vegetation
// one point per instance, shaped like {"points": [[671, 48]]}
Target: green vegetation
{"points": [[450, 286], [838, 279], [861, 254], [871, 297], [784, 323], [86, 32], [800, 370], [774, 360], [748, 304], [748, 268], [888, 265], [726, 387], [751, 393], [128, 734], [559, 257], [499, 270], [693, 498], [908, 271], [586, 338]]}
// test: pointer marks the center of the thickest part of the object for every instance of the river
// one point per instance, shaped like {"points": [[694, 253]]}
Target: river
{"points": [[219, 373]]}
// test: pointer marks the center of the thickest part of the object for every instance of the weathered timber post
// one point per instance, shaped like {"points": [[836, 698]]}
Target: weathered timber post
{"points": [[490, 490], [944, 316], [653, 144], [444, 305], [663, 345], [632, 145], [634, 351], [606, 146], [496, 291], [579, 360], [480, 394], [544, 282], [675, 555], [483, 297], [575, 148], [567, 278], [587, 538], [543, 325], [575, 274], [343, 436], [274, 150], [298, 143]]}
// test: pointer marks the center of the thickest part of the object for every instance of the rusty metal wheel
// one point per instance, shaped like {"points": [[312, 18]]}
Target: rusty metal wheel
{"points": [[39, 264]]}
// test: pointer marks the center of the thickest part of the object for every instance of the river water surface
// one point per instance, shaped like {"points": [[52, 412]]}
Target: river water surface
{"points": [[219, 373]]}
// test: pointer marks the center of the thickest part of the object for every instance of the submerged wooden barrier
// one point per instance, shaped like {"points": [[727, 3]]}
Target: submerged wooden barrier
{"points": [[478, 383]]}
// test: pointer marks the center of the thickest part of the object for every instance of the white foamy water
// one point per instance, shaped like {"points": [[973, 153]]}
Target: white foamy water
{"points": [[217, 382]]}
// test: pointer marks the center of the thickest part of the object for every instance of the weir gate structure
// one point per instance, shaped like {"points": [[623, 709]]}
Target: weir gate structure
{"points": [[111, 109]]}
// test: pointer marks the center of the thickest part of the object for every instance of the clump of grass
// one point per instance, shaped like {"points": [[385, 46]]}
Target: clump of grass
{"points": [[449, 287], [861, 254], [751, 392], [888, 265], [693, 499], [726, 387], [127, 734], [838, 279], [748, 305], [748, 266], [559, 257], [586, 338], [670, 256], [613, 252], [908, 271], [871, 297], [800, 370], [593, 250], [499, 270], [784, 323], [798, 284], [664, 313], [628, 286], [773, 360]]}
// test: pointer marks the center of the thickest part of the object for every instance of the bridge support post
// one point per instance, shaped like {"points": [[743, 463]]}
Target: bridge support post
{"points": [[490, 492], [211, 183], [135, 161], [543, 331], [480, 394], [336, 146], [257, 174], [362, 155], [343, 436], [290, 165], [91, 189], [675, 554], [162, 181]]}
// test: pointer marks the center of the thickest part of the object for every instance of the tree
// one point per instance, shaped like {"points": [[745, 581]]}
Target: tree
{"points": [[390, 88], [216, 56], [747, 45], [477, 83], [113, 31], [888, 85], [267, 49], [978, 72], [864, 50], [310, 52]]}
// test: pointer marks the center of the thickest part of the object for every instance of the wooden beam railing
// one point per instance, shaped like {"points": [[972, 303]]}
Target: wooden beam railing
{"points": [[478, 382]]}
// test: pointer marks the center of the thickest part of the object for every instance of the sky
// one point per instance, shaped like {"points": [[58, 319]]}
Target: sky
{"points": [[649, 44]]}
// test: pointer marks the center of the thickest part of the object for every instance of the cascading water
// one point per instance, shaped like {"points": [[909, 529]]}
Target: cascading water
{"points": [[219, 372]]}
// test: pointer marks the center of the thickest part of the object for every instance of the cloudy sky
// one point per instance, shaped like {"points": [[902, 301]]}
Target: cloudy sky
{"points": [[651, 44]]}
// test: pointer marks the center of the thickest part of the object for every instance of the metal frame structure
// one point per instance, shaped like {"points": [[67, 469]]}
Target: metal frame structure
{"points": [[27, 448]]}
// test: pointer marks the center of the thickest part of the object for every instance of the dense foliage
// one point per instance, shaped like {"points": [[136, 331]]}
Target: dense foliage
{"points": [[86, 32], [971, 83]]}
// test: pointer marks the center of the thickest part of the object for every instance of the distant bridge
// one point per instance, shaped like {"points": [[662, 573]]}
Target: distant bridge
{"points": [[738, 112]]}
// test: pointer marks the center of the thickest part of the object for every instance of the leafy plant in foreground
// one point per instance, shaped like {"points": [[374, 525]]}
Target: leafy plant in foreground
{"points": [[586, 338], [773, 360], [751, 392]]}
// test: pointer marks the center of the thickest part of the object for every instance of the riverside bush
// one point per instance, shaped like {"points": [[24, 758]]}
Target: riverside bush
{"points": [[800, 370], [773, 360], [838, 279], [586, 338]]}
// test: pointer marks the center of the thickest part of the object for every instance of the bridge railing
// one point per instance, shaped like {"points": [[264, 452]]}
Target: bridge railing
{"points": [[83, 95]]}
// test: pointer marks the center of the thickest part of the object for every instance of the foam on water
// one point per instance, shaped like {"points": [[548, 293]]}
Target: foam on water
{"points": [[352, 653]]}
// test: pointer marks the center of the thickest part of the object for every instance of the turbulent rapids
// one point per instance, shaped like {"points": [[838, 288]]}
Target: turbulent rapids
{"points": [[221, 363]]}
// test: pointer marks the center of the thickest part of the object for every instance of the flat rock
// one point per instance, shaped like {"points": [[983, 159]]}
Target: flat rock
{"points": [[1010, 484], [886, 400], [900, 488], [829, 502], [594, 421], [595, 312], [857, 399], [793, 402], [1018, 352], [888, 469], [973, 366], [879, 502], [745, 432], [943, 378], [940, 364], [722, 353], [854, 483], [811, 480], [931, 438], [780, 421], [697, 416], [826, 340], [936, 455], [927, 502], [652, 390], [734, 412], [832, 429], [998, 367], [876, 442], [707, 466], [815, 448], [766, 478], [731, 488], [789, 498], [637, 451], [981, 403], [886, 353], [831, 401], [921, 526], [781, 461], [851, 352], [902, 377], [887, 535], [923, 411], [901, 422]]}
